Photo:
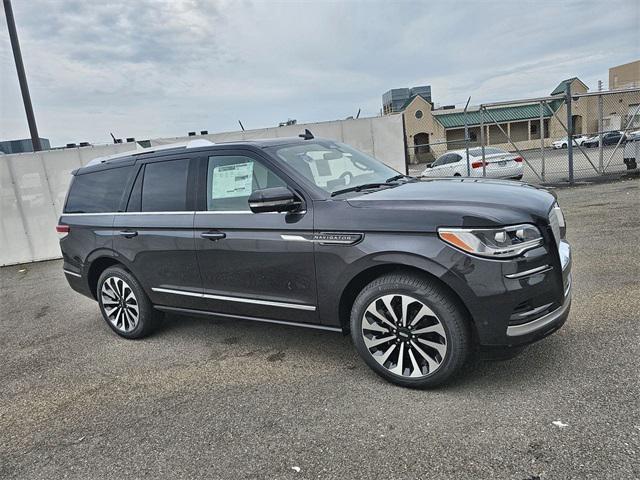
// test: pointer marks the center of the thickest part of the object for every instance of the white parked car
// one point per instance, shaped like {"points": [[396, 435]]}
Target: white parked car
{"points": [[562, 143], [498, 164]]}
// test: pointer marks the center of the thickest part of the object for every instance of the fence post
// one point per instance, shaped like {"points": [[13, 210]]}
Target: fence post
{"points": [[600, 126], [466, 137], [484, 166], [569, 132], [542, 141]]}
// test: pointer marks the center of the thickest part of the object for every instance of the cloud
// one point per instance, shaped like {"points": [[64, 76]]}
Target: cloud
{"points": [[160, 68]]}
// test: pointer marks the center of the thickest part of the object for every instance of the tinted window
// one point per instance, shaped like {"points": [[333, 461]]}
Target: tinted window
{"points": [[232, 179], [477, 152], [135, 198], [97, 192], [164, 188], [441, 160]]}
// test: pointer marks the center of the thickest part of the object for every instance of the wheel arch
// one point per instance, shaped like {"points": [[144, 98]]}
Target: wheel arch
{"points": [[98, 265]]}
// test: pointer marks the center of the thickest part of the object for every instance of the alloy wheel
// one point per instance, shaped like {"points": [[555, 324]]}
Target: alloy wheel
{"points": [[404, 335], [120, 304]]}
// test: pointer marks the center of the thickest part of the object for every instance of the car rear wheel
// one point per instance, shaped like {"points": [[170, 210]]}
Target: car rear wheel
{"points": [[124, 304], [410, 330]]}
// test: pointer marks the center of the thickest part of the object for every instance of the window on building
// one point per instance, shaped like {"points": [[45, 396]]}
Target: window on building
{"points": [[98, 192], [418, 114], [232, 179], [164, 188]]}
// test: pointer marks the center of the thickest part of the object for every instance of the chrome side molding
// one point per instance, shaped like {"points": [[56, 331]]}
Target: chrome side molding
{"points": [[314, 326], [226, 298]]}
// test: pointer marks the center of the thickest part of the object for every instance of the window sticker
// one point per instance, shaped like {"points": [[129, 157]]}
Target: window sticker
{"points": [[232, 181]]}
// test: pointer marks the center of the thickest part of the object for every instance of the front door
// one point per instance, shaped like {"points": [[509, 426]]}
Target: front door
{"points": [[253, 264]]}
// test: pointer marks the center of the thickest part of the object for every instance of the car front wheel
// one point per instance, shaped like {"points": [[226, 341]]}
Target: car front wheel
{"points": [[410, 330], [124, 304]]}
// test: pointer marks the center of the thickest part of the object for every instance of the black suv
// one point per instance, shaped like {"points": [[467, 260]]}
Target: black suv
{"points": [[314, 233]]}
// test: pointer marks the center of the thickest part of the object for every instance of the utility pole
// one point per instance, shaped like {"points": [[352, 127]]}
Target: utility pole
{"points": [[22, 77]]}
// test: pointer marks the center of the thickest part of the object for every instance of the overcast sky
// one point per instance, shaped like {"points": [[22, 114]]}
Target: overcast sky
{"points": [[147, 68]]}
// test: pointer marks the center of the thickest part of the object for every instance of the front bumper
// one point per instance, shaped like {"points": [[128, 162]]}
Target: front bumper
{"points": [[531, 301]]}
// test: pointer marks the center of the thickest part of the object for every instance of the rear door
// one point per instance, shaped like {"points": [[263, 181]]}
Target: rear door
{"points": [[155, 235], [253, 264]]}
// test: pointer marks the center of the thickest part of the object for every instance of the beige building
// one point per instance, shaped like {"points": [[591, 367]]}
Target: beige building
{"points": [[430, 132], [625, 76]]}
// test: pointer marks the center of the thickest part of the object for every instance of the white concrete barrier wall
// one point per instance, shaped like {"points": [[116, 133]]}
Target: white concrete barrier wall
{"points": [[33, 185], [32, 192], [381, 137]]}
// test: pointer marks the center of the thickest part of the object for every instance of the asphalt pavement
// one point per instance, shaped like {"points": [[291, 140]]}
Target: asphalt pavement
{"points": [[206, 398]]}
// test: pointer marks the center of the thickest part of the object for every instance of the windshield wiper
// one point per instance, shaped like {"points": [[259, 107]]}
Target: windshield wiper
{"points": [[357, 188], [398, 177]]}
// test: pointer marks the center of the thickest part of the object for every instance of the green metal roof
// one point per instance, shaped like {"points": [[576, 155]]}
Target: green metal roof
{"points": [[500, 114], [562, 86]]}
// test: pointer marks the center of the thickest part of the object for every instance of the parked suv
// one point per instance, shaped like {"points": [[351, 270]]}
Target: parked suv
{"points": [[417, 271]]}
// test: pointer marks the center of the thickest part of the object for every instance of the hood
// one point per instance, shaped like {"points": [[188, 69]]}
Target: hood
{"points": [[454, 202]]}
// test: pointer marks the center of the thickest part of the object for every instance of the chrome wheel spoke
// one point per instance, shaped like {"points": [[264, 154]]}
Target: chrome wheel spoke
{"points": [[431, 361], [378, 341], [417, 371], [372, 310], [437, 328], [404, 335], [374, 327], [398, 368], [383, 358], [387, 303], [442, 349], [424, 311]]}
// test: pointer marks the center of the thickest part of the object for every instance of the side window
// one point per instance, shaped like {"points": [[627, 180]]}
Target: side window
{"points": [[98, 192], [454, 158], [232, 179], [164, 187], [135, 198], [441, 160]]}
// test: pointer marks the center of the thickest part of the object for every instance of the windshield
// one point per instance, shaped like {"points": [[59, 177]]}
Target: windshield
{"points": [[333, 166]]}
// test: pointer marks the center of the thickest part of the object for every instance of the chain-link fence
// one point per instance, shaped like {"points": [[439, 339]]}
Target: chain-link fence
{"points": [[530, 138]]}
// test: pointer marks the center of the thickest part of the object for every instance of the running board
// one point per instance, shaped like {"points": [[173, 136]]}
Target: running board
{"points": [[191, 311]]}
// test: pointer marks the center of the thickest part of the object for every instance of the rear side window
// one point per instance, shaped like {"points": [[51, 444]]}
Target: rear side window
{"points": [[164, 188], [98, 192]]}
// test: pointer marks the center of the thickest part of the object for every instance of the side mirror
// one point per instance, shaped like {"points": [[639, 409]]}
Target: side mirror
{"points": [[429, 165], [276, 199]]}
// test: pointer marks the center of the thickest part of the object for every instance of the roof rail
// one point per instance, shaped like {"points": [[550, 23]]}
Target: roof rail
{"points": [[201, 142]]}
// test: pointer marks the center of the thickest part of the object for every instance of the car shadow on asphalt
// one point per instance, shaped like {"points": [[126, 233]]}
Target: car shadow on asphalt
{"points": [[336, 350]]}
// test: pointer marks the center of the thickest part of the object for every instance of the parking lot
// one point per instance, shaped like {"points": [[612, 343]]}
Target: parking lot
{"points": [[207, 398], [556, 164]]}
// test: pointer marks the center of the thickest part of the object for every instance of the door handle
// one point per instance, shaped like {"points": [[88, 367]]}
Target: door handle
{"points": [[213, 236], [128, 233]]}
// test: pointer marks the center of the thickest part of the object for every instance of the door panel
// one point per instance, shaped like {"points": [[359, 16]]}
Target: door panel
{"points": [[155, 236], [253, 264], [160, 249]]}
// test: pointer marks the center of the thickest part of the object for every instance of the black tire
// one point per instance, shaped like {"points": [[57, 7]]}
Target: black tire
{"points": [[147, 318], [457, 175], [448, 312]]}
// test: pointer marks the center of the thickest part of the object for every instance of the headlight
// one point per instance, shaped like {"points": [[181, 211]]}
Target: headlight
{"points": [[505, 242]]}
